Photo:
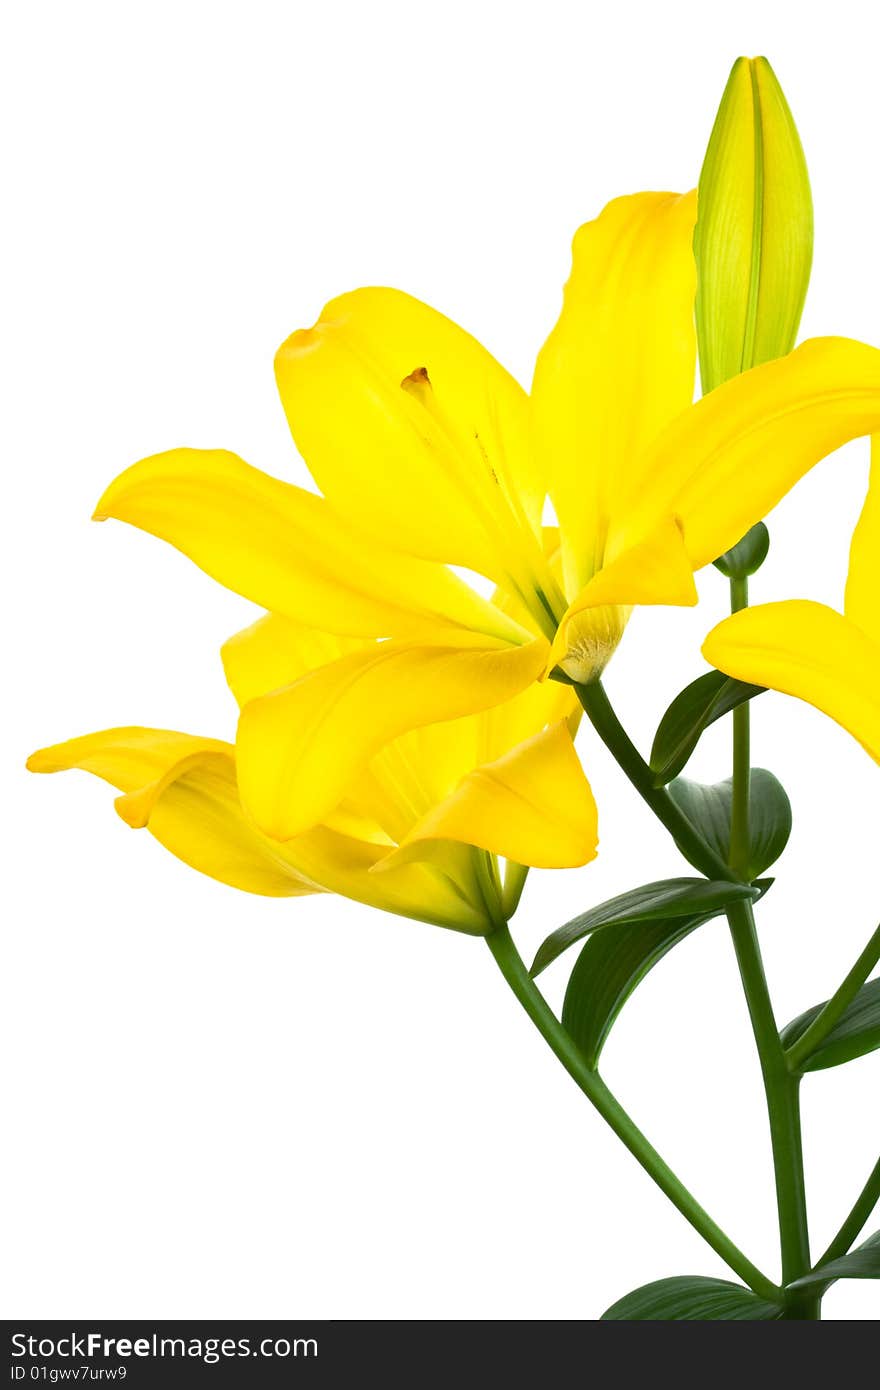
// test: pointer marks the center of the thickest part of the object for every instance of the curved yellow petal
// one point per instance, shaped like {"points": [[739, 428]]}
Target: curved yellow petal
{"points": [[808, 650], [412, 775], [728, 459], [656, 570], [184, 789], [299, 749], [533, 806], [275, 651], [286, 549], [411, 428], [424, 892], [505, 726], [618, 366], [129, 757], [862, 603]]}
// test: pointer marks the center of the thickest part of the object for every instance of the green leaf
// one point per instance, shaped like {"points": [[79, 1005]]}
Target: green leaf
{"points": [[706, 699], [753, 242], [856, 1032], [610, 967], [690, 1298], [668, 897], [748, 555], [861, 1263], [708, 808]]}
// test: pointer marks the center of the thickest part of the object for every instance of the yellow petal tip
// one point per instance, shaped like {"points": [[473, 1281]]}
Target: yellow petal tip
{"points": [[135, 808]]}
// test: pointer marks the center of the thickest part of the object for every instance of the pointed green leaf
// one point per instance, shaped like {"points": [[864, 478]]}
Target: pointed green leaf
{"points": [[611, 965], [753, 241], [668, 897], [608, 969], [690, 1298], [708, 808], [856, 1032], [706, 699], [862, 1263]]}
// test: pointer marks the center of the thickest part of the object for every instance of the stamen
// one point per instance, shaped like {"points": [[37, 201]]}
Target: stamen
{"points": [[528, 573], [417, 381]]}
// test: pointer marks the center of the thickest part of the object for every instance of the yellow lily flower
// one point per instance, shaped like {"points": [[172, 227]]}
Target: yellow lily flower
{"points": [[806, 649], [429, 455], [419, 831]]}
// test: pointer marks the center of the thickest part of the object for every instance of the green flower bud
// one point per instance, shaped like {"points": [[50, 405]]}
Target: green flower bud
{"points": [[754, 236]]}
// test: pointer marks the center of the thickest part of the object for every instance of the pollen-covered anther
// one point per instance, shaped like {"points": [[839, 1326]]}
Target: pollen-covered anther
{"points": [[417, 381]]}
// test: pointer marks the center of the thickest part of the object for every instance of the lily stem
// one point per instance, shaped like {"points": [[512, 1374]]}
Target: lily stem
{"points": [[742, 761], [781, 1090], [612, 733], [830, 1013], [781, 1086], [514, 970]]}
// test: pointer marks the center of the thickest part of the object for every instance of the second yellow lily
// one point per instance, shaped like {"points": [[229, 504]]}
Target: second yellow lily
{"points": [[422, 826]]}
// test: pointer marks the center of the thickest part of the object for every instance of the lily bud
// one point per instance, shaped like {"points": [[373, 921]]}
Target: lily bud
{"points": [[753, 241], [748, 555]]}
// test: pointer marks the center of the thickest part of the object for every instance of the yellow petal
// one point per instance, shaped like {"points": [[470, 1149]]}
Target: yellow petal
{"points": [[618, 366], [862, 603], [533, 806], [426, 893], [726, 461], [285, 549], [506, 725], [754, 238], [184, 789], [275, 651], [300, 748], [128, 758], [412, 429], [656, 570], [412, 775], [808, 650]]}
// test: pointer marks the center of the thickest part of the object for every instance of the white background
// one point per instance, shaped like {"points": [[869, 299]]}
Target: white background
{"points": [[226, 1106]]}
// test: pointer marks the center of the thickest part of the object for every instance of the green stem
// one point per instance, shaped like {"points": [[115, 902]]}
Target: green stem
{"points": [[612, 733], [740, 847], [781, 1089], [855, 1222], [829, 1015], [514, 970]]}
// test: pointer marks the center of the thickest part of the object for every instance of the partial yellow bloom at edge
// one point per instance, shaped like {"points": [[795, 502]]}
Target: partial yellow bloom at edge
{"points": [[862, 601], [804, 649]]}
